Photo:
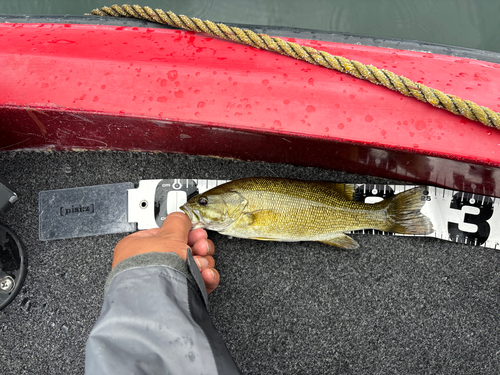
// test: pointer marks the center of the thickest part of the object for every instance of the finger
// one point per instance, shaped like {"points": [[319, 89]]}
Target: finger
{"points": [[145, 233], [201, 262], [203, 248], [177, 226], [196, 235], [211, 278], [211, 261]]}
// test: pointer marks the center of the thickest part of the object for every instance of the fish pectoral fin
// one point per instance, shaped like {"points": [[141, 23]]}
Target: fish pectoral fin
{"points": [[246, 219], [342, 241], [259, 218]]}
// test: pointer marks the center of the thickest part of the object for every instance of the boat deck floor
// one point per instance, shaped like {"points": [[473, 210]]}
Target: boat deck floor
{"points": [[395, 305]]}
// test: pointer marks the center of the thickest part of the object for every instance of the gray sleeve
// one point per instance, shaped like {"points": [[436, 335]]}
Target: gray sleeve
{"points": [[154, 321]]}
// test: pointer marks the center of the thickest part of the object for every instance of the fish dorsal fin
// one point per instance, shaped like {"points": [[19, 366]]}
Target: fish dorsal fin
{"points": [[343, 241], [345, 190]]}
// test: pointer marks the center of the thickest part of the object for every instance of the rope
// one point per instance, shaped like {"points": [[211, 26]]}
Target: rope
{"points": [[382, 77]]}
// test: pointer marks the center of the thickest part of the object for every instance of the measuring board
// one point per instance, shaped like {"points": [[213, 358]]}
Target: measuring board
{"points": [[456, 216]]}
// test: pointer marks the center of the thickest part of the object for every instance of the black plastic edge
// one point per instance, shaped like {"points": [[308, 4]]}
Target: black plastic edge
{"points": [[23, 268]]}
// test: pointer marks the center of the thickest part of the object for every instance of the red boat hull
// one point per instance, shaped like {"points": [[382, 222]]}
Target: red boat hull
{"points": [[96, 87]]}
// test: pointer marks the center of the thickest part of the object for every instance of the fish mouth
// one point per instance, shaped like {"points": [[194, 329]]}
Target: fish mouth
{"points": [[193, 216]]}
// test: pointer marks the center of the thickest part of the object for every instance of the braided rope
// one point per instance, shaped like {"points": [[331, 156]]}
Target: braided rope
{"points": [[382, 77]]}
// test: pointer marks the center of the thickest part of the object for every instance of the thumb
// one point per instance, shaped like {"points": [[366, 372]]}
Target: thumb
{"points": [[176, 226]]}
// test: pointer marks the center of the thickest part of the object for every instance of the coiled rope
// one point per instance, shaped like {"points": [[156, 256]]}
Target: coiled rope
{"points": [[403, 85]]}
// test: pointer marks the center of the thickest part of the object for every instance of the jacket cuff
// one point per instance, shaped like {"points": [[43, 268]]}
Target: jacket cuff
{"points": [[171, 260]]}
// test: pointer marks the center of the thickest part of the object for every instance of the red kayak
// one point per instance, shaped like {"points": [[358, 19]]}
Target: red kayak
{"points": [[83, 83]]}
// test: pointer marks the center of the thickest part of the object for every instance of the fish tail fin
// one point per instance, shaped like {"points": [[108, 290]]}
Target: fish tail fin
{"points": [[403, 212]]}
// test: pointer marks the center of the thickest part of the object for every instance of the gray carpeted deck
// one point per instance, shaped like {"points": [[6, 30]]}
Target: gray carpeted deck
{"points": [[394, 306]]}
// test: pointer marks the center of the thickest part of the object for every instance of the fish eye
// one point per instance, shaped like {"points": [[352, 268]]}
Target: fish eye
{"points": [[202, 201]]}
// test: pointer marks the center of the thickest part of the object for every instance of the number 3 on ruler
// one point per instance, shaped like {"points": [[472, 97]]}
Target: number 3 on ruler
{"points": [[485, 206]]}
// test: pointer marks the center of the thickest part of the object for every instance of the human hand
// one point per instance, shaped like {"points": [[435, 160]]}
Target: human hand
{"points": [[175, 235]]}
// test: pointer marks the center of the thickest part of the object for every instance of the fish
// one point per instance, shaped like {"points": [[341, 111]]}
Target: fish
{"points": [[288, 210]]}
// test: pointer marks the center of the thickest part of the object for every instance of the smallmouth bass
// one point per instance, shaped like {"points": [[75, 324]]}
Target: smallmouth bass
{"points": [[279, 209]]}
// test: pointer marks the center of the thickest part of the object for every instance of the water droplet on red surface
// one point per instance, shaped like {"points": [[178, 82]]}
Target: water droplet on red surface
{"points": [[340, 126], [172, 75], [62, 41], [277, 123], [310, 109], [162, 99], [201, 104], [163, 82], [368, 118], [96, 98], [420, 125], [265, 82], [179, 94]]}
